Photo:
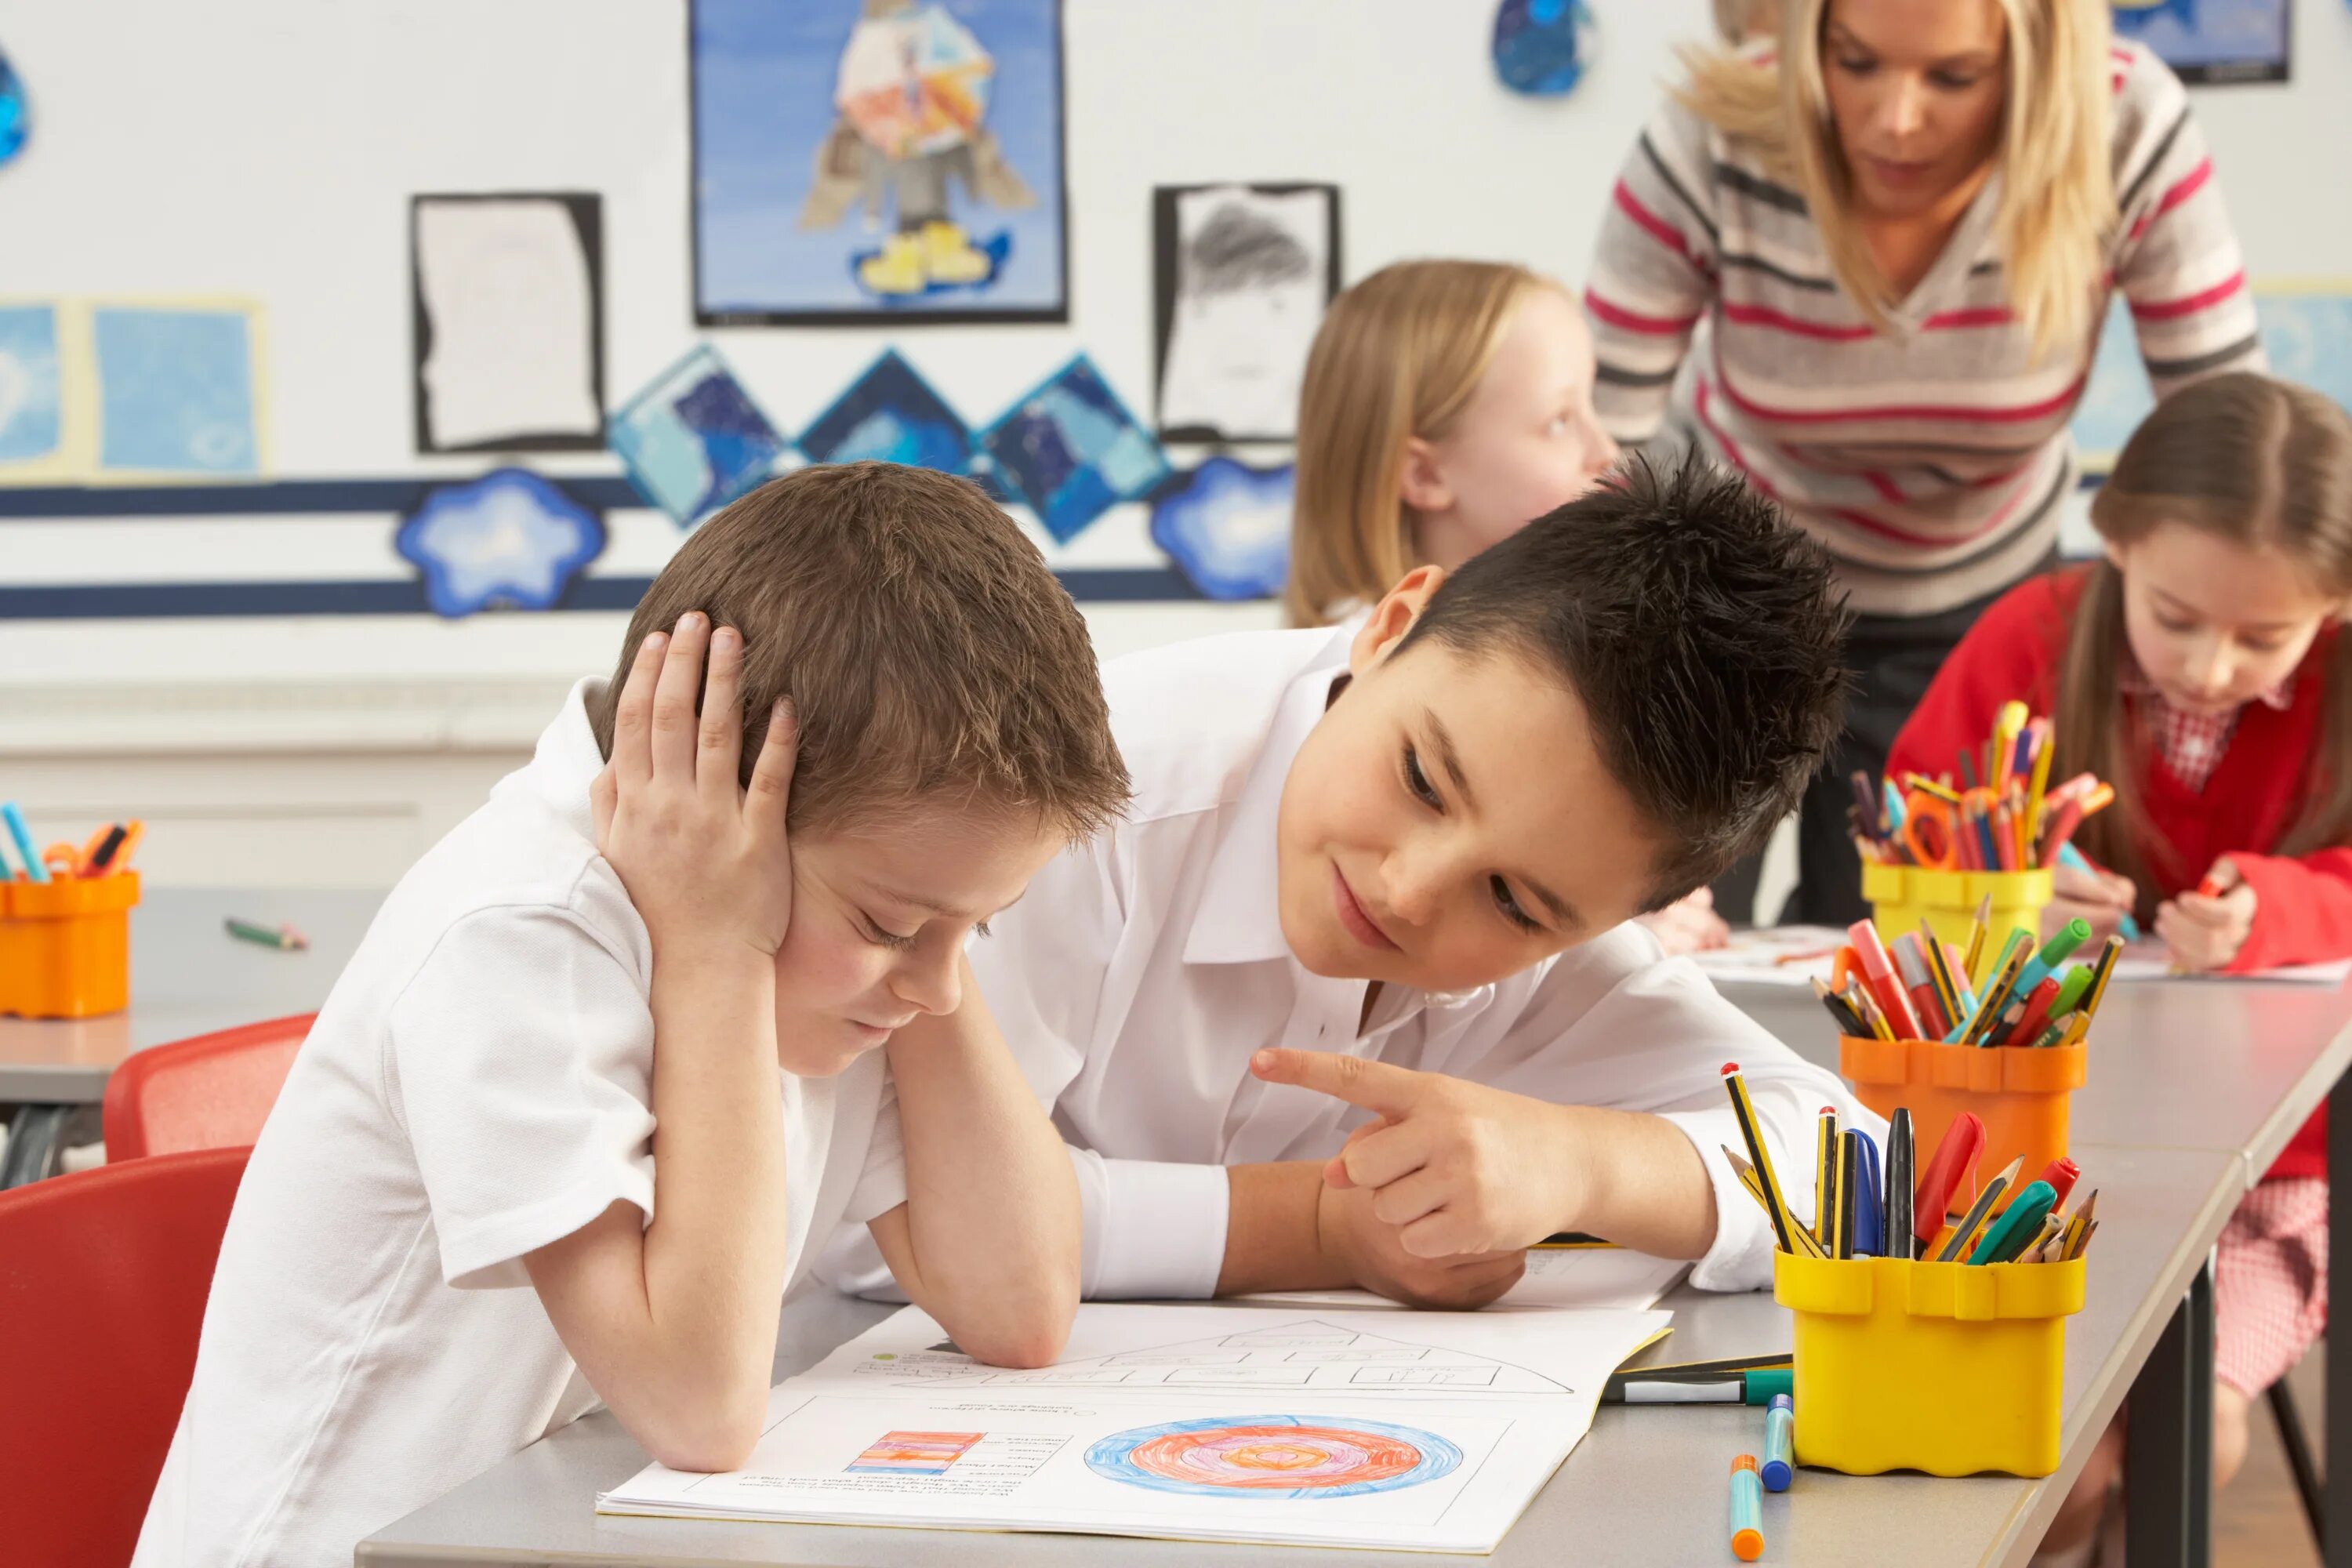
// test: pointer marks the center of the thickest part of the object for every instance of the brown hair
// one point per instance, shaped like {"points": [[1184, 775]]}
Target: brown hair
{"points": [[925, 648], [2265, 465], [2056, 158], [1397, 356]]}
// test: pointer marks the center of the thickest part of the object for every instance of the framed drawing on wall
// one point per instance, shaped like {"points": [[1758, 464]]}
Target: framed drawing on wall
{"points": [[1241, 276], [857, 161]]}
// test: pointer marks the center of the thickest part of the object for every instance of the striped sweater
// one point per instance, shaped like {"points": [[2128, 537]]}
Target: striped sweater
{"points": [[1931, 462]]}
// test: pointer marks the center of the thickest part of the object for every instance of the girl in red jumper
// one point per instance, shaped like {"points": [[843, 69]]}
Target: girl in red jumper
{"points": [[2199, 669]]}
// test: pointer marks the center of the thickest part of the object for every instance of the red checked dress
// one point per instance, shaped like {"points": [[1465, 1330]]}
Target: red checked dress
{"points": [[2228, 785]]}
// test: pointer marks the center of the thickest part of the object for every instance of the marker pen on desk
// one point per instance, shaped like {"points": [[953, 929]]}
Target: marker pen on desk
{"points": [[1746, 1509], [1757, 1387], [33, 866], [1779, 1443]]}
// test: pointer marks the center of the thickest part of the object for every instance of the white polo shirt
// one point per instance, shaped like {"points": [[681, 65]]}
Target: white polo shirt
{"points": [[479, 1084], [1140, 972]]}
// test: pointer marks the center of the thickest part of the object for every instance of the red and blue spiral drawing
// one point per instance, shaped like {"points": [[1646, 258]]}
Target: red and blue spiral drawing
{"points": [[1273, 1457]]}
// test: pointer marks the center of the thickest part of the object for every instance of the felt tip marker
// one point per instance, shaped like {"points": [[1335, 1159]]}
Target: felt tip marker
{"points": [[1779, 1468], [1746, 1509]]}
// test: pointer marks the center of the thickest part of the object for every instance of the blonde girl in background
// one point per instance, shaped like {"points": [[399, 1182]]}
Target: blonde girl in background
{"points": [[1445, 404]]}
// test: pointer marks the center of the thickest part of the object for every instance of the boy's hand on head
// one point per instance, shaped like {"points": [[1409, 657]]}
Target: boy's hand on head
{"points": [[2205, 933], [1376, 1259], [1456, 1167], [705, 861], [2101, 898]]}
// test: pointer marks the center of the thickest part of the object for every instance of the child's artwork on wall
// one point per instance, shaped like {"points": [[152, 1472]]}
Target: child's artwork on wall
{"points": [[179, 390], [32, 389], [508, 299], [1241, 276], [16, 115], [2306, 331], [890, 415], [694, 440], [507, 540], [857, 158], [1228, 528], [1543, 47], [1071, 450], [2307, 334], [2211, 41]]}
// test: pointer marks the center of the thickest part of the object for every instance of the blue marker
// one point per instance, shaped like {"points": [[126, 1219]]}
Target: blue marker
{"points": [[24, 837], [1869, 1213], [2071, 858], [1779, 1443]]}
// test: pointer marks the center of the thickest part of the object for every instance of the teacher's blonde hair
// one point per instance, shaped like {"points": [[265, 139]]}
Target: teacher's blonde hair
{"points": [[2057, 198], [1398, 356]]}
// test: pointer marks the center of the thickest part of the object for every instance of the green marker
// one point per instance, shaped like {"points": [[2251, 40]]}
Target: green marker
{"points": [[2008, 1235]]}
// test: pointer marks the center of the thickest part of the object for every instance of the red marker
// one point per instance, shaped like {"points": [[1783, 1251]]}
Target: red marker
{"points": [[2210, 888], [2037, 1012], [2061, 1173], [1879, 972], [1955, 1156]]}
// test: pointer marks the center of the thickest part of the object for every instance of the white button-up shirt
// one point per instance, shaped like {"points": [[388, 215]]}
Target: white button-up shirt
{"points": [[1141, 970]]}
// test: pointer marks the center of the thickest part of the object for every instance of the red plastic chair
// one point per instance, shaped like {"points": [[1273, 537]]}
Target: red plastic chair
{"points": [[103, 1278], [210, 1092]]}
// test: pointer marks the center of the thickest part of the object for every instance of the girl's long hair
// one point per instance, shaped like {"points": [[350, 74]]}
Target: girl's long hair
{"points": [[2266, 465]]}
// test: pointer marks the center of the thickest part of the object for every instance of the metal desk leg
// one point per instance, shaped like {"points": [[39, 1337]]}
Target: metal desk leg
{"points": [[2169, 1444], [33, 1134], [2337, 1541]]}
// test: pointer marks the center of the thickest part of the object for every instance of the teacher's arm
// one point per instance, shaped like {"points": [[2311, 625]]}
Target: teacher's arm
{"points": [[2178, 264], [1653, 274]]}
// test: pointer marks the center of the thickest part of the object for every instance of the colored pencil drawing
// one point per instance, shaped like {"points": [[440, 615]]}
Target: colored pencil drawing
{"points": [[1274, 1457]]}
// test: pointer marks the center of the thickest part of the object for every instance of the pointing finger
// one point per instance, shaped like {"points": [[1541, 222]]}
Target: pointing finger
{"points": [[1393, 1091]]}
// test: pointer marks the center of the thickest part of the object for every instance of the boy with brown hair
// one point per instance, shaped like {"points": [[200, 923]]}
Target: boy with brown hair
{"points": [[853, 715]]}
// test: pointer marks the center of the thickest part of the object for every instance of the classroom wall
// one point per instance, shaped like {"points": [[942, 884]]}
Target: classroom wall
{"points": [[269, 148]]}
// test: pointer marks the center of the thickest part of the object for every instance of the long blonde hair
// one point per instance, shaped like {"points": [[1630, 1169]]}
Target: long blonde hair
{"points": [[1397, 356], [2266, 465], [2057, 198]]}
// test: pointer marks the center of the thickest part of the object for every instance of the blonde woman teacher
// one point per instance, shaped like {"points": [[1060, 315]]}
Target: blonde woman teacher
{"points": [[1901, 222]]}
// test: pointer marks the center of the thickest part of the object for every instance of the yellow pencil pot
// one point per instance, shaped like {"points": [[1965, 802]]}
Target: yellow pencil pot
{"points": [[65, 945], [1938, 1367], [1902, 895]]}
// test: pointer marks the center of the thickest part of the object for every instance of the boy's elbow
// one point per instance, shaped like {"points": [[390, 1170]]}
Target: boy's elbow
{"points": [[1014, 1345], [707, 1443]]}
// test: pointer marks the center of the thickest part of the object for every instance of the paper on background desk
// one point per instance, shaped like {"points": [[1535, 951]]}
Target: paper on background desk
{"points": [[1289, 1426], [1607, 1278], [1797, 955]]}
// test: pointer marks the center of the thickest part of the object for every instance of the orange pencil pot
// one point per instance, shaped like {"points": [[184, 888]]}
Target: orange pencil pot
{"points": [[1939, 1367], [1902, 895], [2022, 1095], [65, 946]]}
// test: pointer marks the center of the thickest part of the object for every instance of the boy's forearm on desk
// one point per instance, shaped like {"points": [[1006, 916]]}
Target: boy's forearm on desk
{"points": [[1272, 1240], [992, 1223], [1645, 1185]]}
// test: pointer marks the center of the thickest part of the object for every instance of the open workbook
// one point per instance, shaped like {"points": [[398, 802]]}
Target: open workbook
{"points": [[1431, 1432]]}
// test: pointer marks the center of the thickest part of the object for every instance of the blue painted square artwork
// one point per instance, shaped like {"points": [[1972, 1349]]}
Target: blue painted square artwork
{"points": [[30, 403], [864, 158], [890, 415], [2211, 41], [175, 391], [1072, 450], [694, 440], [510, 539], [1227, 527]]}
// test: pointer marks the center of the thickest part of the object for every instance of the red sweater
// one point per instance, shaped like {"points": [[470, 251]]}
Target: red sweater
{"points": [[2303, 907]]}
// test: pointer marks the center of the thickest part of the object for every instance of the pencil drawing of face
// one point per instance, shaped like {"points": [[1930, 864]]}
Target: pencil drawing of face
{"points": [[1252, 284]]}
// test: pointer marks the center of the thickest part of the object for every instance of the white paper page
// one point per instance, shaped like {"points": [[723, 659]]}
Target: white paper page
{"points": [[1598, 1278], [507, 292], [2145, 960], [1310, 1427], [1238, 344]]}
